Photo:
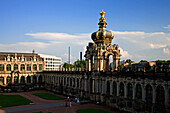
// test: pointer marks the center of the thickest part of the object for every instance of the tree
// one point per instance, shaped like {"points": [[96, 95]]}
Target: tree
{"points": [[80, 64], [143, 61], [67, 65], [128, 61]]}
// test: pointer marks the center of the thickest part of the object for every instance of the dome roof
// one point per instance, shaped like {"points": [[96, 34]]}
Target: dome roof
{"points": [[102, 35]]}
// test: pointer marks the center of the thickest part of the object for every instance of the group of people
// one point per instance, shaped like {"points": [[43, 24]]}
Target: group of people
{"points": [[68, 101]]}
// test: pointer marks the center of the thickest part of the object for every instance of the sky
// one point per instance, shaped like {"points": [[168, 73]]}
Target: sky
{"points": [[141, 28]]}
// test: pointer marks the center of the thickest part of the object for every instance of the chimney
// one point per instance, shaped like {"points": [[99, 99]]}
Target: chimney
{"points": [[80, 55], [69, 55]]}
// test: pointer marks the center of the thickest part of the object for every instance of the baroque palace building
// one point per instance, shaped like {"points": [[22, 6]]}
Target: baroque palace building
{"points": [[133, 91], [21, 68]]}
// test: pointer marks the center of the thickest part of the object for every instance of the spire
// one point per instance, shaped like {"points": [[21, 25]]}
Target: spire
{"points": [[102, 24]]}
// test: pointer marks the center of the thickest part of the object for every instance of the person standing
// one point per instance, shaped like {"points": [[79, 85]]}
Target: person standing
{"points": [[66, 102]]}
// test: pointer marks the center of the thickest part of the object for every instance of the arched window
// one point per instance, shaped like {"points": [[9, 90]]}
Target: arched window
{"points": [[1, 80], [34, 79], [8, 79], [22, 67], [40, 67], [160, 95], [8, 67], [108, 88], [15, 67], [149, 93], [138, 91], [28, 79], [1, 67], [15, 79], [70, 81], [28, 67], [114, 89], [34, 67], [40, 79], [121, 90], [22, 79], [130, 90]]}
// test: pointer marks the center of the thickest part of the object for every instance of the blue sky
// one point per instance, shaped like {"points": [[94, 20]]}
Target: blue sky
{"points": [[50, 26]]}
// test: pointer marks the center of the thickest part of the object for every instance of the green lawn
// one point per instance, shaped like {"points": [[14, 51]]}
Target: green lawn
{"points": [[48, 96], [13, 100], [91, 111]]}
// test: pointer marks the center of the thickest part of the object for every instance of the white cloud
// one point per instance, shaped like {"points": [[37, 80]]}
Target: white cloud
{"points": [[57, 36], [134, 45], [157, 45], [124, 53], [166, 51], [168, 27]]}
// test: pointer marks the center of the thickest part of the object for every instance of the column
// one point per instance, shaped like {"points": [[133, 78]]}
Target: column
{"points": [[143, 93], [154, 94], [5, 67], [5, 80], [134, 91], [19, 79], [25, 79], [101, 64], [125, 89], [117, 88], [93, 85], [111, 87], [31, 78]]}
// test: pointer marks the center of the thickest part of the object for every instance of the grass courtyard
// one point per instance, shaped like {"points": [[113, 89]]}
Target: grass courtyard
{"points": [[48, 96], [91, 111], [13, 100]]}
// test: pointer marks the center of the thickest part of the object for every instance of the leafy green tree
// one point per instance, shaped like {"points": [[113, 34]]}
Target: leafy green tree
{"points": [[143, 61], [80, 64], [67, 65], [128, 61]]}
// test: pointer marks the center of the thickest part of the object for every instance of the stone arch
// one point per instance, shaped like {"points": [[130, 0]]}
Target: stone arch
{"points": [[121, 89], [107, 56], [129, 90], [114, 89], [149, 93], [22, 68], [8, 67], [16, 79], [15, 67], [40, 79], [34, 79], [138, 91], [108, 88], [2, 80], [22, 81], [160, 95], [28, 79], [8, 79]]}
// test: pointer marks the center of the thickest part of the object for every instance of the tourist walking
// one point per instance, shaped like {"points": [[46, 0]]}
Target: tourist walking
{"points": [[70, 103], [66, 102]]}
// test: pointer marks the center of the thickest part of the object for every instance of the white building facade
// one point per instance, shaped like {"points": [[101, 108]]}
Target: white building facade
{"points": [[52, 63]]}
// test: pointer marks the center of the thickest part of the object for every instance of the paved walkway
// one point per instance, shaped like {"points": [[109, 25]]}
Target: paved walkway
{"points": [[54, 106]]}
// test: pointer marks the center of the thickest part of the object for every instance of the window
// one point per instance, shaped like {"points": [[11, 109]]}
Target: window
{"points": [[40, 67], [8, 67], [22, 67], [34, 67], [1, 67], [28, 67], [15, 67]]}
